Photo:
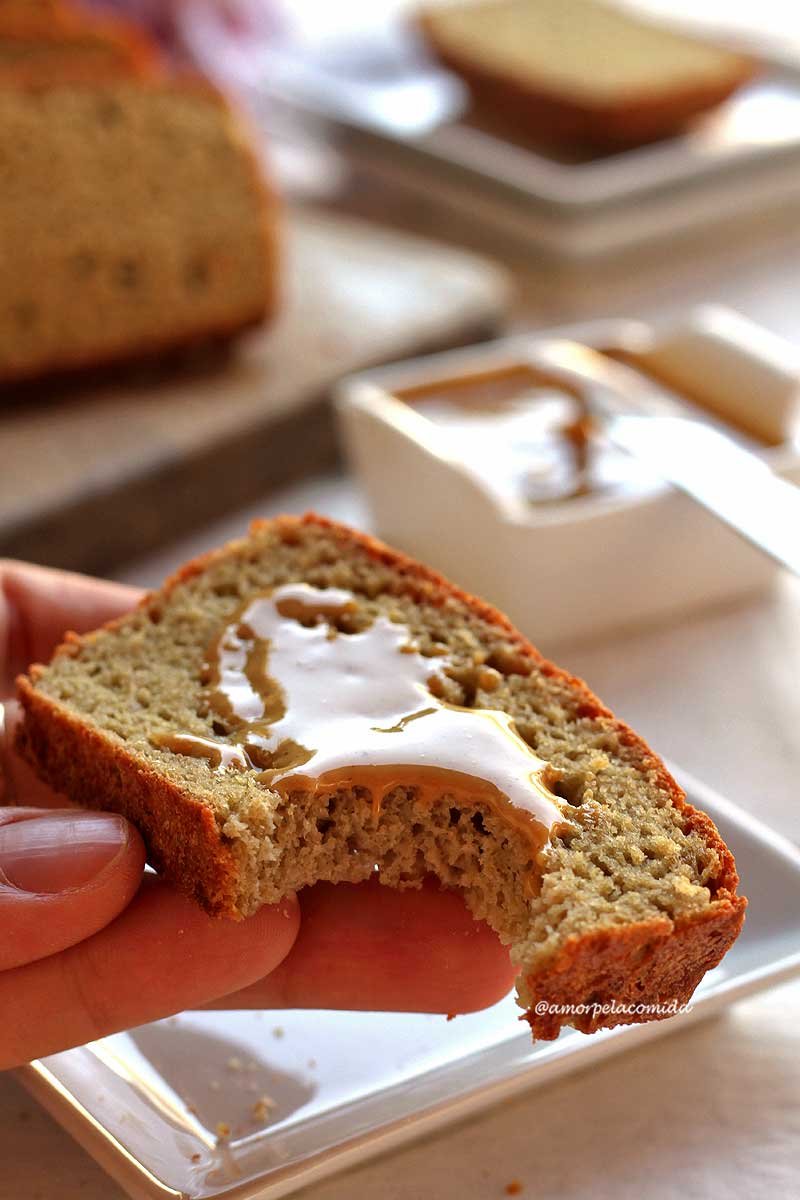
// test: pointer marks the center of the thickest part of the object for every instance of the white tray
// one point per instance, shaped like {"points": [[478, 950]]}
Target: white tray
{"points": [[349, 1085], [600, 563], [403, 119]]}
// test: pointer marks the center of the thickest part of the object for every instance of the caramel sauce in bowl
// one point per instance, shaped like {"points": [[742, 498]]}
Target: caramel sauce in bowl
{"points": [[313, 708]]}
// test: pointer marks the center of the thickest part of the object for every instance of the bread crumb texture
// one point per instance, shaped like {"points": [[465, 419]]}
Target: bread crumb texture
{"points": [[633, 898], [133, 218]]}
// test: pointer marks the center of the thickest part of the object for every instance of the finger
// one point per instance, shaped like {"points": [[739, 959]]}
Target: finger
{"points": [[161, 955], [38, 605], [19, 783], [366, 946], [63, 876]]}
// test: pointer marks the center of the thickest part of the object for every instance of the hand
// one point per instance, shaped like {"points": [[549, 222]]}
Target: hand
{"points": [[89, 945]]}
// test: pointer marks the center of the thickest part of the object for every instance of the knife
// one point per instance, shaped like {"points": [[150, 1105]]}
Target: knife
{"points": [[694, 455]]}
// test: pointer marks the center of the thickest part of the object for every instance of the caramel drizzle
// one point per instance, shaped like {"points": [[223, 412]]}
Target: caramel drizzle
{"points": [[492, 391], [367, 703], [219, 754]]}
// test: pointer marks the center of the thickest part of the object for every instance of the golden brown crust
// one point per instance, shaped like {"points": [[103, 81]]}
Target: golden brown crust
{"points": [[143, 351], [562, 119], [631, 973], [182, 837], [649, 963]]}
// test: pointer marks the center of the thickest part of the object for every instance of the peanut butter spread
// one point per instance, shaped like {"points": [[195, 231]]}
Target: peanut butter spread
{"points": [[314, 708]]}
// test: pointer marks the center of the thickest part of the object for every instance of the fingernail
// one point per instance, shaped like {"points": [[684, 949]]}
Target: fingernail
{"points": [[60, 850]]}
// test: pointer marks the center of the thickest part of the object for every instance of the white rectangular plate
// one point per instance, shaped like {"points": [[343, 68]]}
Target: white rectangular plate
{"points": [[363, 79], [147, 1103]]}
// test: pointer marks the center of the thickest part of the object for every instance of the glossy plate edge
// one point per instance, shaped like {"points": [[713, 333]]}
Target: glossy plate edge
{"points": [[141, 1184]]}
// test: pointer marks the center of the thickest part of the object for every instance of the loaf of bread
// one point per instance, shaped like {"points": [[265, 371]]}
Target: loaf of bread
{"points": [[306, 703], [134, 216], [580, 71]]}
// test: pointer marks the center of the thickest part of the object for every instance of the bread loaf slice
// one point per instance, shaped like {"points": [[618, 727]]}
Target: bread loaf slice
{"points": [[134, 215], [572, 71], [206, 714]]}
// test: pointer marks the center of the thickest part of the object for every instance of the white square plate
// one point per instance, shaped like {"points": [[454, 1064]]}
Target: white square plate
{"points": [[405, 123], [146, 1104]]}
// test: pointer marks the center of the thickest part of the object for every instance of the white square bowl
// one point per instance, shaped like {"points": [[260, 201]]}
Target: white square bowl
{"points": [[589, 565]]}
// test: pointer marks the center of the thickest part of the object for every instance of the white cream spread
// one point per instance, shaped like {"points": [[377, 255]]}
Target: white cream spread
{"points": [[336, 709]]}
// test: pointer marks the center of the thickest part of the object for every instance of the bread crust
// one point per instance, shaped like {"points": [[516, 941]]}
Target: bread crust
{"points": [[155, 349], [648, 963], [182, 837], [135, 53], [562, 119]]}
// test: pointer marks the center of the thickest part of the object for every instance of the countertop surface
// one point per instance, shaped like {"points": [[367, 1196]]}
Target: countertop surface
{"points": [[713, 1110], [139, 445]]}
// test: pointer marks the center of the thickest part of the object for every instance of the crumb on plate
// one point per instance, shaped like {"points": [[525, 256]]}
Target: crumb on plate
{"points": [[263, 1107]]}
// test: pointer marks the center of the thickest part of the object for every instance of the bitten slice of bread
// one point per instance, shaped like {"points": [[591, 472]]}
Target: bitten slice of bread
{"points": [[580, 70], [630, 900]]}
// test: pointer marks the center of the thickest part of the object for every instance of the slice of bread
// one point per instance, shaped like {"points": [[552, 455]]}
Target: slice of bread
{"points": [[134, 215], [580, 71], [608, 887]]}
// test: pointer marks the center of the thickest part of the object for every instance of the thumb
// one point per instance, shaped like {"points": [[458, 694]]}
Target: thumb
{"points": [[64, 874]]}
